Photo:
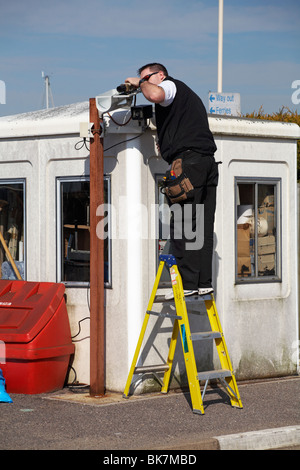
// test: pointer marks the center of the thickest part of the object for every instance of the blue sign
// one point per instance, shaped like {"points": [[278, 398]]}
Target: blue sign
{"points": [[226, 104]]}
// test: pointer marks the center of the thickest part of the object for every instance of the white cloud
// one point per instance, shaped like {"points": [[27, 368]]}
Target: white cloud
{"points": [[126, 34], [103, 18], [266, 75], [169, 19], [246, 18]]}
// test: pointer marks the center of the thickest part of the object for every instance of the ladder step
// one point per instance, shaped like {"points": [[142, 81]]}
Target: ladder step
{"points": [[148, 369], [197, 298], [214, 374], [189, 299], [161, 298], [205, 335], [165, 315]]}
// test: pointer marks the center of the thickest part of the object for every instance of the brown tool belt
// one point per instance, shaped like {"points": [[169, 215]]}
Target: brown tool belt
{"points": [[176, 185]]}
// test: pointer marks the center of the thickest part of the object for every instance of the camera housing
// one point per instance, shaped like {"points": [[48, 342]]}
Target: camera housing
{"points": [[141, 112], [111, 100]]}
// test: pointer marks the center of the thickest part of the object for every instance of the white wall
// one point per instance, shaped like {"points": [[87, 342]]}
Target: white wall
{"points": [[260, 321]]}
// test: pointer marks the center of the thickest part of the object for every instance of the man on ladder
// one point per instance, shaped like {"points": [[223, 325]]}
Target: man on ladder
{"points": [[181, 325], [187, 144]]}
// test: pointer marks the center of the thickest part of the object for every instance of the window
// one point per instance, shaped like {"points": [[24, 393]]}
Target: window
{"points": [[74, 231], [257, 230], [12, 222]]}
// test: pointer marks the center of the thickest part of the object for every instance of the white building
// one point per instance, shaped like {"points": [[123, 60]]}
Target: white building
{"points": [[44, 194]]}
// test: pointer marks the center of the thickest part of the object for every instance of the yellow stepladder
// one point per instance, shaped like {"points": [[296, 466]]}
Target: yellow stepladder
{"points": [[181, 325]]}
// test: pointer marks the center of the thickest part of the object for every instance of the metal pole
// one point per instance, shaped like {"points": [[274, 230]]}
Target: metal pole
{"points": [[97, 320], [47, 91], [220, 48]]}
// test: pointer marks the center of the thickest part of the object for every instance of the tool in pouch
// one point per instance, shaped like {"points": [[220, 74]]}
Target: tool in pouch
{"points": [[176, 185]]}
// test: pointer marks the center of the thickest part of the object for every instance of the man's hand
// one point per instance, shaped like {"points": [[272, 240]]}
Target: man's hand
{"points": [[134, 81], [150, 89]]}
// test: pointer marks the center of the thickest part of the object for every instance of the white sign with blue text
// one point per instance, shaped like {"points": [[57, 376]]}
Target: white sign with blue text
{"points": [[228, 104]]}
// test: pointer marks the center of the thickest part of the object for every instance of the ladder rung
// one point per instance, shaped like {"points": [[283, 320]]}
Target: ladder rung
{"points": [[197, 298], [205, 335], [161, 298], [190, 299], [167, 315], [147, 369], [214, 374]]}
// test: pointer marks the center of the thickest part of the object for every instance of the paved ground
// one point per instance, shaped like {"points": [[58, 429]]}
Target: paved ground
{"points": [[270, 418]]}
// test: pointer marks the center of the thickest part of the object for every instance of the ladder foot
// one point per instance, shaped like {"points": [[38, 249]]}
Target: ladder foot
{"points": [[198, 412], [239, 407]]}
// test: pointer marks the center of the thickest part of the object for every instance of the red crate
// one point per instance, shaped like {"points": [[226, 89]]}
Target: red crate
{"points": [[35, 331]]}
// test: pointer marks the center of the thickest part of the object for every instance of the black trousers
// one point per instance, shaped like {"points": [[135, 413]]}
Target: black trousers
{"points": [[192, 222]]}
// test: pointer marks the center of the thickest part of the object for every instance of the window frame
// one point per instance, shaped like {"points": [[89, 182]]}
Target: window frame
{"points": [[4, 181], [59, 257], [277, 183]]}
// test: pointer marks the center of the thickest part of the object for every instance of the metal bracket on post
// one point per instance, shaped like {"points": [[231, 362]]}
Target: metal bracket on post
{"points": [[111, 100], [85, 130]]}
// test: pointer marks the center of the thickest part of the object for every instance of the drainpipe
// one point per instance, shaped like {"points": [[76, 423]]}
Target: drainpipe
{"points": [[97, 320]]}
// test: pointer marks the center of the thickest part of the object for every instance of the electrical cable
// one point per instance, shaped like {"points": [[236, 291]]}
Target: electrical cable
{"points": [[75, 375], [108, 148], [84, 140], [74, 386], [123, 141], [117, 123], [124, 123], [79, 330]]}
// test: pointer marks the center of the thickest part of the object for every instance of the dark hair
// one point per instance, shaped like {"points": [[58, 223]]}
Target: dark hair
{"points": [[154, 67]]}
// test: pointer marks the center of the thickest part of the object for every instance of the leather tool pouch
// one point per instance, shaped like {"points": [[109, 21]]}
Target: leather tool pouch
{"points": [[177, 187]]}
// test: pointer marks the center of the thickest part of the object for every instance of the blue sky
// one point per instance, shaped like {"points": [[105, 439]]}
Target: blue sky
{"points": [[90, 47]]}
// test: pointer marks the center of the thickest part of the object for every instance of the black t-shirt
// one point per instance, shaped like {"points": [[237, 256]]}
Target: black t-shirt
{"points": [[183, 125]]}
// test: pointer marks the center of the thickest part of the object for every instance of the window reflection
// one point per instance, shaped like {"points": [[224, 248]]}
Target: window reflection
{"points": [[257, 232], [12, 228], [75, 231]]}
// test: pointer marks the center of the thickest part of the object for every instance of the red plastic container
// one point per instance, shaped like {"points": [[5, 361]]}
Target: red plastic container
{"points": [[35, 329]]}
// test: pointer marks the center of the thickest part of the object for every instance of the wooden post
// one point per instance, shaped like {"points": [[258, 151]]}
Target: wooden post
{"points": [[97, 321]]}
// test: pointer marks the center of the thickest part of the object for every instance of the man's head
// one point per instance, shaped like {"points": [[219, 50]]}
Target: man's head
{"points": [[154, 67]]}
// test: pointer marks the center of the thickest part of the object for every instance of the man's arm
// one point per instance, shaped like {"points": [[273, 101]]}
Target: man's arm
{"points": [[153, 93]]}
